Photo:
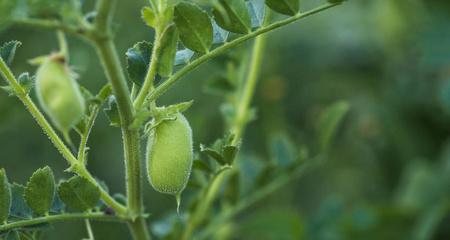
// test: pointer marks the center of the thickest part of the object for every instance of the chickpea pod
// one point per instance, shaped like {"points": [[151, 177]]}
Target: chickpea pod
{"points": [[59, 94], [170, 156]]}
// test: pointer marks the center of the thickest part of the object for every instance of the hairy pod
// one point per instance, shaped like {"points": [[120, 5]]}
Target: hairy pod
{"points": [[170, 156], [59, 94]]}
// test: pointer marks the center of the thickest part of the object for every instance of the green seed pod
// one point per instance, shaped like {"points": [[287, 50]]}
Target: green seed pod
{"points": [[170, 156], [59, 94]]}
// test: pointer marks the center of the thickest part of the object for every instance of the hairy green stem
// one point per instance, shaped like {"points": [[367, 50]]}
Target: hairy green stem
{"points": [[131, 139], [60, 218], [151, 73], [76, 167], [161, 89]]}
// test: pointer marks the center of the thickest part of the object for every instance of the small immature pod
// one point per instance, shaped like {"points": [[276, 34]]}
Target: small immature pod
{"points": [[170, 156], [59, 94]]}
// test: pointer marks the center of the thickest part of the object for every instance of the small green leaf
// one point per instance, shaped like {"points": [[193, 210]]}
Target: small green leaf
{"points": [[176, 108], [195, 26], [329, 121], [112, 111], [104, 93], [169, 42], [58, 205], [40, 191], [233, 15], [138, 59], [5, 197], [19, 208], [24, 80], [287, 7], [230, 153], [149, 17], [213, 154], [8, 51], [79, 194]]}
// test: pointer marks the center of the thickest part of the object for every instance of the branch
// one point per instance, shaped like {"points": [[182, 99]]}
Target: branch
{"points": [[49, 24], [60, 218], [161, 89], [75, 165]]}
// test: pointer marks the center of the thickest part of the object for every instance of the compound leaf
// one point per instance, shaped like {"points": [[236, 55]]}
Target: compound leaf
{"points": [[194, 24], [79, 194], [40, 191]]}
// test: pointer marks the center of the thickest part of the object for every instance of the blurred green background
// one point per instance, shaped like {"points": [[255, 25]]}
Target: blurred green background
{"points": [[387, 175]]}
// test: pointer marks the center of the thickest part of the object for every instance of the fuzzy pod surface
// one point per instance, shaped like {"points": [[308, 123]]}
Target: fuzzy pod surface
{"points": [[170, 156], [59, 94]]}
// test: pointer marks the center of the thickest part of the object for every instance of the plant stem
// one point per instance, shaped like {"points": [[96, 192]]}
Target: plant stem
{"points": [[138, 229], [151, 73], [161, 89], [85, 136], [131, 139], [241, 119], [238, 127], [49, 24], [61, 218], [53, 136]]}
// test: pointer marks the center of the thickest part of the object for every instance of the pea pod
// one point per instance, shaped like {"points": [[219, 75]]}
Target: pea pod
{"points": [[169, 156], [59, 94]]}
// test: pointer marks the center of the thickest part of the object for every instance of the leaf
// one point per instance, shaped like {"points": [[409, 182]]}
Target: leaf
{"points": [[195, 27], [183, 57], [8, 51], [234, 17], [230, 153], [213, 154], [177, 108], [149, 17], [112, 111], [104, 92], [168, 50], [19, 208], [79, 194], [5, 196], [40, 191], [287, 7], [138, 60], [24, 80], [257, 12], [329, 121]]}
